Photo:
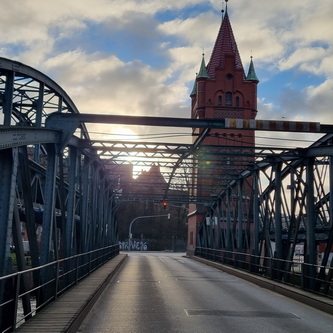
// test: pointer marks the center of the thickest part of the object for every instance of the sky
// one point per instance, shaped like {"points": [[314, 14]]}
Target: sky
{"points": [[141, 57]]}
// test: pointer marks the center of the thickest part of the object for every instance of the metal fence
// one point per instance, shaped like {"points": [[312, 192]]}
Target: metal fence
{"points": [[27, 292], [313, 278]]}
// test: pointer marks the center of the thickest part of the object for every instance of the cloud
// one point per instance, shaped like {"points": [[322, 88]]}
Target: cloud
{"points": [[187, 29], [283, 30], [109, 85], [141, 57], [313, 103], [320, 101], [302, 57]]}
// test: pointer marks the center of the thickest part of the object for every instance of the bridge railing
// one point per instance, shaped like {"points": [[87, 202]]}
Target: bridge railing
{"points": [[27, 292], [314, 278]]}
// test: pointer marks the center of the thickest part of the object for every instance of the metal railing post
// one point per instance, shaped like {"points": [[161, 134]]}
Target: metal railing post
{"points": [[56, 280], [77, 269], [17, 293]]}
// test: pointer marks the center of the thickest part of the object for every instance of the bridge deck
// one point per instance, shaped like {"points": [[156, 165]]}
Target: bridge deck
{"points": [[67, 313]]}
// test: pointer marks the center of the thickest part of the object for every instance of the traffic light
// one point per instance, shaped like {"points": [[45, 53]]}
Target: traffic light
{"points": [[164, 205]]}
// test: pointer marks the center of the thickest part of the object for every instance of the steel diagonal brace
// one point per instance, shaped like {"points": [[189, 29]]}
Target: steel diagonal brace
{"points": [[190, 152], [67, 125]]}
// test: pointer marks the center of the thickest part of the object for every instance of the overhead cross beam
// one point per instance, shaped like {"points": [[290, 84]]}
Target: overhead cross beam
{"points": [[174, 158], [54, 120]]}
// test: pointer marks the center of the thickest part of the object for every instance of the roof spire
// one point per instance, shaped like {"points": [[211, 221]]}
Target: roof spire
{"points": [[225, 44], [226, 6], [203, 70], [251, 75]]}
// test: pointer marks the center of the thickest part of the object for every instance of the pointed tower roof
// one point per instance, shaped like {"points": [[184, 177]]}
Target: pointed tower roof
{"points": [[203, 70], [194, 89], [202, 74], [225, 44], [251, 75]]}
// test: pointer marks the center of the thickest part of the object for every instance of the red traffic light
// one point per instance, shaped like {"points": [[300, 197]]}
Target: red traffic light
{"points": [[164, 205]]}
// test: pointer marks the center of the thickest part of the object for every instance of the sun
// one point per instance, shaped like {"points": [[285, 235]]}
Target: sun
{"points": [[121, 133], [125, 134]]}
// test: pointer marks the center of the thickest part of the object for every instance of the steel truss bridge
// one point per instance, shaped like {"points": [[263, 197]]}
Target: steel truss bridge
{"points": [[65, 185]]}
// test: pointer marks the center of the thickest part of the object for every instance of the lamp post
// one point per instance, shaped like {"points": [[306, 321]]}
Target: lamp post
{"points": [[141, 217]]}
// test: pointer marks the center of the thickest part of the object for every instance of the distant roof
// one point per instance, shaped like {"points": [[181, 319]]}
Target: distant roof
{"points": [[152, 176]]}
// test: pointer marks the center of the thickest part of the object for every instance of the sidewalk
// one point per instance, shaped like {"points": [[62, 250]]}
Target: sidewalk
{"points": [[69, 310]]}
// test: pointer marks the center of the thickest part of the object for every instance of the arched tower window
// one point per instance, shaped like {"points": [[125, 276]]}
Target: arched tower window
{"points": [[237, 101], [219, 100], [228, 98]]}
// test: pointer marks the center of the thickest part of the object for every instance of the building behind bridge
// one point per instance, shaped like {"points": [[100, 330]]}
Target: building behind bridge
{"points": [[153, 234], [221, 90]]}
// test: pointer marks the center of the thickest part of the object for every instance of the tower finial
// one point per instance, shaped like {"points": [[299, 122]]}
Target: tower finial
{"points": [[226, 6]]}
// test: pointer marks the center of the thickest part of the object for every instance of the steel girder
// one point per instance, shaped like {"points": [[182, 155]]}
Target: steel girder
{"points": [[70, 204], [274, 205], [8, 175], [63, 195], [264, 198], [275, 220], [178, 162]]}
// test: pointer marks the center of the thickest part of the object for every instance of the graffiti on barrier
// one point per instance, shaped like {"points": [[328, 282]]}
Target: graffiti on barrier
{"points": [[135, 246]]}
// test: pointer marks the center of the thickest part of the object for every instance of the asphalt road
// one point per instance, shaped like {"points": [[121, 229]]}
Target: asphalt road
{"points": [[166, 292]]}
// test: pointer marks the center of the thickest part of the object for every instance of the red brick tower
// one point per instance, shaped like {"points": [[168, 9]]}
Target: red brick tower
{"points": [[222, 90]]}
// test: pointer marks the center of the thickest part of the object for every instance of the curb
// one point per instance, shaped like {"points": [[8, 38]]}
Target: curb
{"points": [[76, 323]]}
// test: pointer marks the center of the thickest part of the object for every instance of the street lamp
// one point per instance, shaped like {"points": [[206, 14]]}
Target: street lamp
{"points": [[141, 217]]}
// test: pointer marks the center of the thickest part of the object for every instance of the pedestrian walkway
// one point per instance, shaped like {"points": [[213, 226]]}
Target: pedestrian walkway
{"points": [[69, 310]]}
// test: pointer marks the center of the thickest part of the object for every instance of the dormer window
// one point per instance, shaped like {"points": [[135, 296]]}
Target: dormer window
{"points": [[228, 99]]}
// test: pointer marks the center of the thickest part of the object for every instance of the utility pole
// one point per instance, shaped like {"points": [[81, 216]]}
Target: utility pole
{"points": [[141, 217]]}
